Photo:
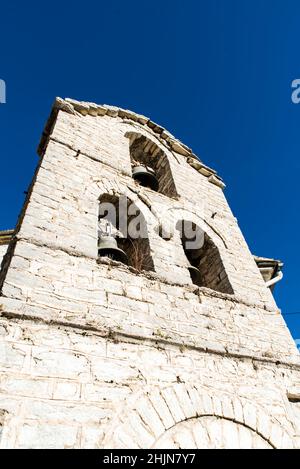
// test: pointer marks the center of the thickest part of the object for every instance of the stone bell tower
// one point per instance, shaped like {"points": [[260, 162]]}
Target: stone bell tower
{"points": [[113, 342]]}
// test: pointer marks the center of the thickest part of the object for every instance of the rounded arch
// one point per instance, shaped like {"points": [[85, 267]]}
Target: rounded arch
{"points": [[203, 247], [210, 432], [120, 190], [205, 263], [146, 152], [147, 416], [121, 217], [170, 215]]}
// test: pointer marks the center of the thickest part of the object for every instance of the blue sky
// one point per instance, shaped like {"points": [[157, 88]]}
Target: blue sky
{"points": [[216, 73]]}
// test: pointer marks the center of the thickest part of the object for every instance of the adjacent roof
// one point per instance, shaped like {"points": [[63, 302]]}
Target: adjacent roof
{"points": [[268, 267]]}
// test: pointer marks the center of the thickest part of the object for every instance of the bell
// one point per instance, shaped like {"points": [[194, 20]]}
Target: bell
{"points": [[108, 247], [145, 176], [195, 275]]}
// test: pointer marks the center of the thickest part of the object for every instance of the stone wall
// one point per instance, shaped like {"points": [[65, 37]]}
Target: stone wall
{"points": [[78, 290], [70, 388], [90, 345]]}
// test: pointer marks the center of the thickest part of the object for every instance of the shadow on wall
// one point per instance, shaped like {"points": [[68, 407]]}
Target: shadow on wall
{"points": [[206, 266]]}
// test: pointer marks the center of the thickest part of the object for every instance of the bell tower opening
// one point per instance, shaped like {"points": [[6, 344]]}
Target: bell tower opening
{"points": [[150, 165], [205, 264], [122, 232]]}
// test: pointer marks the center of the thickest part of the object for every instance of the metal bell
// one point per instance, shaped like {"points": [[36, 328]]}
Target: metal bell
{"points": [[195, 275], [108, 247], [145, 176]]}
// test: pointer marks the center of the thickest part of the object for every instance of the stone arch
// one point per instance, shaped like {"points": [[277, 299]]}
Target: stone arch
{"points": [[115, 188], [147, 416], [205, 264], [144, 151], [168, 218], [210, 432], [120, 218]]}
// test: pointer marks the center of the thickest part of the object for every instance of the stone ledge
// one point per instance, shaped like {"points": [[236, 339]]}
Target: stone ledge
{"points": [[153, 276], [115, 335]]}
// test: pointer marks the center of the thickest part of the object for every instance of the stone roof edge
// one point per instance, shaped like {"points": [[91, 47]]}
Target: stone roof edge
{"points": [[72, 106], [6, 236], [268, 259]]}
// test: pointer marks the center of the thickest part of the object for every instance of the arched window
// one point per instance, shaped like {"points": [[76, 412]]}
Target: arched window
{"points": [[122, 232], [150, 165], [205, 264]]}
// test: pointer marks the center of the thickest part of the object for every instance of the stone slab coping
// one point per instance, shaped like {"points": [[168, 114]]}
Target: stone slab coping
{"points": [[5, 236], [82, 108]]}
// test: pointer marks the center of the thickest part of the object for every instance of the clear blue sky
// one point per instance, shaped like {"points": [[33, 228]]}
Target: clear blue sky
{"points": [[216, 73]]}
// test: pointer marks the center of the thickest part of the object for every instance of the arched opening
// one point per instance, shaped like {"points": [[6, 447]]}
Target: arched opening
{"points": [[205, 264], [211, 432], [122, 232], [193, 416], [150, 165]]}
